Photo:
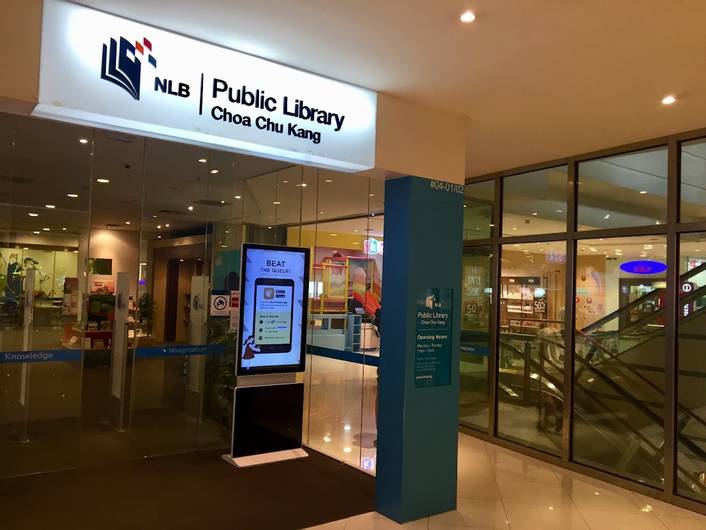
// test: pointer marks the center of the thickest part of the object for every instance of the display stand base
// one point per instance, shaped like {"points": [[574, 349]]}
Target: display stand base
{"points": [[265, 458]]}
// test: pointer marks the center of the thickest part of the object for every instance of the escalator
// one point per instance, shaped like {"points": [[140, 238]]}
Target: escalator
{"points": [[619, 386]]}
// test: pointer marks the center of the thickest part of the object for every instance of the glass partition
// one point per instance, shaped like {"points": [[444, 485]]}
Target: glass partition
{"points": [[478, 207], [620, 355], [693, 181], [623, 190], [477, 312], [535, 202], [531, 344], [691, 409]]}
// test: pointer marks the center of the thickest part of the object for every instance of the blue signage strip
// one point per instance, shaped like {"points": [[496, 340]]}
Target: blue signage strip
{"points": [[168, 351], [40, 356]]}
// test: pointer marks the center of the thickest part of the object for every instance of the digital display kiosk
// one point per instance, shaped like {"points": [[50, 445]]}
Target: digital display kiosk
{"points": [[274, 286]]}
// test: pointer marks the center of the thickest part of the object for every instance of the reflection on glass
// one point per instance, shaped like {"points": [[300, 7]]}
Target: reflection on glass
{"points": [[531, 362], [535, 202], [693, 181], [623, 190], [478, 204], [691, 385], [620, 355], [477, 311]]}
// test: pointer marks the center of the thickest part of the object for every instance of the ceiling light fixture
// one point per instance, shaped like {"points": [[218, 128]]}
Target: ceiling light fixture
{"points": [[167, 225], [237, 197], [606, 216], [467, 17], [669, 100], [50, 206], [190, 208], [103, 181], [36, 232], [127, 222], [328, 181], [63, 228], [643, 192], [214, 171], [276, 202], [83, 140], [46, 229], [72, 195], [32, 214], [202, 160]]}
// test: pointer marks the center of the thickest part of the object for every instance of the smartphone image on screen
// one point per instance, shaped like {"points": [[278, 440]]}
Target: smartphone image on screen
{"points": [[272, 317]]}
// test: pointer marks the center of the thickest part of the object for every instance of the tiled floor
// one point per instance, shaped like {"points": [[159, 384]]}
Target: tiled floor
{"points": [[501, 489]]}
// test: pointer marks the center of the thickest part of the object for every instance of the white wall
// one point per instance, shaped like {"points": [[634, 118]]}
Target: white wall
{"points": [[121, 246]]}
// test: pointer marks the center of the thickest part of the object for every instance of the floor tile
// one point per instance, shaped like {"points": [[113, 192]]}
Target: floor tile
{"points": [[683, 523], [564, 516], [473, 513], [616, 520], [532, 493], [375, 521], [336, 525]]}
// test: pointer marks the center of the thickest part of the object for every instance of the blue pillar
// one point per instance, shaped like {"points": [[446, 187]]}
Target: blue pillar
{"points": [[419, 361]]}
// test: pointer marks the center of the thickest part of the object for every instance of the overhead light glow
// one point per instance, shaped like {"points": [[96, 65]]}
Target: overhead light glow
{"points": [[103, 181], [669, 100], [643, 192], [202, 160], [83, 140], [36, 232], [467, 17], [276, 202], [32, 214], [237, 197], [50, 206], [72, 195], [190, 208], [127, 222], [214, 171], [46, 229]]}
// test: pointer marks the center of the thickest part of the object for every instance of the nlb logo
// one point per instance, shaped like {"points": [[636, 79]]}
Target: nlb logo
{"points": [[121, 65]]}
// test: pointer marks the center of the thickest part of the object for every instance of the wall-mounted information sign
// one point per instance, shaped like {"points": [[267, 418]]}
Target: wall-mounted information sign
{"points": [[432, 362], [274, 286], [105, 71]]}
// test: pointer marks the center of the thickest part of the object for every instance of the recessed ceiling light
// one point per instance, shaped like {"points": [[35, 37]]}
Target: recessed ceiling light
{"points": [[347, 449], [181, 260], [159, 227], [167, 225], [334, 235], [32, 214], [190, 208], [154, 217], [202, 160], [72, 195], [46, 229], [669, 100], [63, 228], [328, 181], [276, 202], [285, 182], [643, 192], [237, 197], [50, 206], [127, 222], [25, 248], [103, 181], [535, 214], [36, 232], [606, 216], [214, 171], [223, 202], [371, 195], [321, 212], [83, 140], [159, 237], [269, 228], [301, 185], [467, 17]]}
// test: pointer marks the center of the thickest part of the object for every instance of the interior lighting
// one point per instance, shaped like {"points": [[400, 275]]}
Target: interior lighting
{"points": [[347, 449], [83, 141], [36, 232], [214, 171], [103, 181], [46, 229], [328, 181], [190, 208], [606, 216], [276, 202], [643, 192], [669, 99], [127, 222], [202, 160], [167, 225], [237, 197], [72, 195], [467, 17], [63, 228], [50, 206], [32, 214]]}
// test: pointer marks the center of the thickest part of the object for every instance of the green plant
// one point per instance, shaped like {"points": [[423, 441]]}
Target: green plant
{"points": [[145, 309]]}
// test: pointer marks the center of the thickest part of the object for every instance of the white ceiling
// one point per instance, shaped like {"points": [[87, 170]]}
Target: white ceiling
{"points": [[538, 79]]}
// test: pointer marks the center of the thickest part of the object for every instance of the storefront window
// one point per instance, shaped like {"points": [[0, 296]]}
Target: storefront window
{"points": [[535, 202], [531, 357], [478, 207], [477, 291], [623, 190], [620, 355], [693, 181], [691, 411]]}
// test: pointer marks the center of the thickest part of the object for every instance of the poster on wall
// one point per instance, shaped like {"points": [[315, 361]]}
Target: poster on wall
{"points": [[432, 361], [273, 308]]}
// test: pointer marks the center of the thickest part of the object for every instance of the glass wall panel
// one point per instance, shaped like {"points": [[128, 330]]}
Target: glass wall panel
{"points": [[476, 308], [478, 204], [620, 355], [531, 360], [693, 181], [623, 190], [691, 385], [45, 170], [535, 202]]}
